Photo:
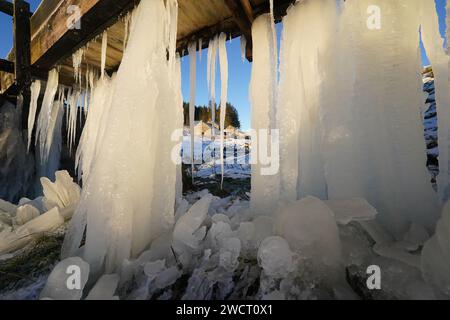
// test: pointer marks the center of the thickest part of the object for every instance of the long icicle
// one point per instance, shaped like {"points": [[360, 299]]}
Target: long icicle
{"points": [[223, 60], [104, 47], [35, 90], [192, 57]]}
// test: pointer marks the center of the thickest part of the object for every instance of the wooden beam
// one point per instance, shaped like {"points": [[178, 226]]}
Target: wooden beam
{"points": [[96, 16], [22, 54], [7, 7], [246, 5], [6, 66], [243, 21]]}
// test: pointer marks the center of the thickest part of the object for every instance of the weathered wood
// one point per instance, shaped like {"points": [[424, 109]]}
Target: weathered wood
{"points": [[6, 66], [246, 5], [243, 22], [22, 53], [96, 16], [6, 7]]}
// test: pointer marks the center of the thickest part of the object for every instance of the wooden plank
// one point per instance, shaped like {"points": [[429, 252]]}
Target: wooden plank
{"points": [[244, 23], [7, 7], [6, 66], [22, 53], [96, 16]]}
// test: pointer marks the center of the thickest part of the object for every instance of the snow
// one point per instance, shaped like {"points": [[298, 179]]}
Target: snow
{"points": [[439, 60], [57, 287]]}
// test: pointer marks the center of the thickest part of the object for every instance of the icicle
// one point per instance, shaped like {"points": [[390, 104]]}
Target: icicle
{"points": [[243, 47], [192, 59], [35, 91], [126, 22], [45, 115], [128, 196], [104, 47], [200, 49], [264, 188], [211, 78], [223, 60], [77, 57], [72, 105]]}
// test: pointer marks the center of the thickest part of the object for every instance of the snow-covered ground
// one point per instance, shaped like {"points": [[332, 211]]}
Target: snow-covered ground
{"points": [[430, 124], [207, 157]]}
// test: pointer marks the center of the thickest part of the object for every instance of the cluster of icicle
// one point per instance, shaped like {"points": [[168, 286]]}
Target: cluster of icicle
{"points": [[345, 106], [348, 109], [216, 51], [124, 154]]}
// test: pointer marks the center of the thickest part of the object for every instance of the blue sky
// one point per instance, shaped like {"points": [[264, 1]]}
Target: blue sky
{"points": [[239, 72]]}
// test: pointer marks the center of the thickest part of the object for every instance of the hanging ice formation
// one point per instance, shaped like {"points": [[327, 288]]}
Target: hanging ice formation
{"points": [[77, 58], [43, 133], [223, 62], [349, 109], [104, 47], [301, 163], [192, 89], [35, 91], [264, 195], [440, 61], [211, 79], [128, 195], [243, 47], [200, 49], [72, 110]]}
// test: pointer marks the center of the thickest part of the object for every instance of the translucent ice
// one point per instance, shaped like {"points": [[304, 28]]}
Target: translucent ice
{"points": [[128, 199], [25, 213], [275, 257], [185, 241], [310, 229], [265, 192], [354, 209], [35, 91], [62, 284], [105, 288], [436, 255], [61, 193]]}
